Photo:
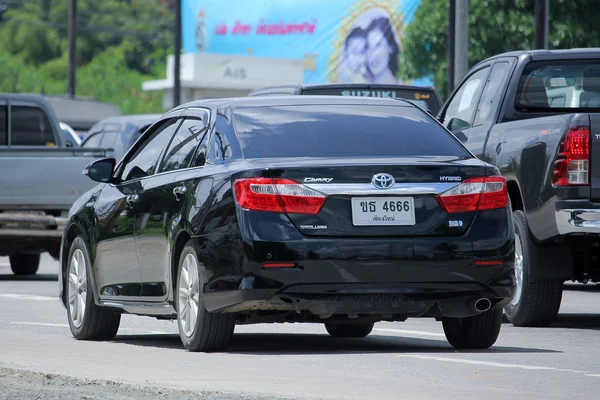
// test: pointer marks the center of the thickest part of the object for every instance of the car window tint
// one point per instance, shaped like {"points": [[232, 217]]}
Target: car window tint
{"points": [[108, 139], [30, 127], [491, 94], [93, 142], [341, 130], [462, 107], [183, 146], [3, 126], [220, 146], [143, 160]]}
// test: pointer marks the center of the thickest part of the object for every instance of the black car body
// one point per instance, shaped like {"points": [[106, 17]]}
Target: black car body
{"points": [[118, 133], [426, 97], [536, 116], [259, 193]]}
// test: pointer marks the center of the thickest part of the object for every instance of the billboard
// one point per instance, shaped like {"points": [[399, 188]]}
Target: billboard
{"points": [[337, 40]]}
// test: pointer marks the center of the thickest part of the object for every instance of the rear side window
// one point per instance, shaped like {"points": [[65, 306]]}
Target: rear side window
{"points": [[183, 145], [30, 127], [336, 130], [3, 126]]}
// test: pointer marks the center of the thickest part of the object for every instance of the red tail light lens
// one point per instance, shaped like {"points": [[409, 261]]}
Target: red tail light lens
{"points": [[476, 194], [572, 163], [277, 195]]}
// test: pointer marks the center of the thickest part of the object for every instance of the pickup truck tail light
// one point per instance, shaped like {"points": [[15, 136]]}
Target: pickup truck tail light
{"points": [[475, 194], [277, 195], [573, 160]]}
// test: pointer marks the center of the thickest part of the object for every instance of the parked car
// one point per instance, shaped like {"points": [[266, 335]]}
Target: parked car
{"points": [[536, 116], [427, 98], [41, 177], [323, 209], [118, 133]]}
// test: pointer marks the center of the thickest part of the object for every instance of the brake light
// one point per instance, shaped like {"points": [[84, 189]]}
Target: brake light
{"points": [[475, 194], [277, 195], [572, 162]]}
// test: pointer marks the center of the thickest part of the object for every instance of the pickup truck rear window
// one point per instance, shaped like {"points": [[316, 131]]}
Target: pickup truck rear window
{"points": [[3, 125], [30, 127], [337, 130], [556, 85]]}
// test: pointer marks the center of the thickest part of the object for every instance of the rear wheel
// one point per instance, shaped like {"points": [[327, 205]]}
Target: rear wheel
{"points": [[349, 330], [477, 332], [199, 329], [86, 320], [24, 263], [537, 300]]}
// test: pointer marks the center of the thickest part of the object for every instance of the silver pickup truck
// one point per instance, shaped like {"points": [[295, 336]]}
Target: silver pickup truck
{"points": [[40, 179]]}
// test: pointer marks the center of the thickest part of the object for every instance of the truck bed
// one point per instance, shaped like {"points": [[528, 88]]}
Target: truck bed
{"points": [[44, 178]]}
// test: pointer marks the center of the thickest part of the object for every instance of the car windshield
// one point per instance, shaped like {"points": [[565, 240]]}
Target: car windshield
{"points": [[551, 86], [338, 130]]}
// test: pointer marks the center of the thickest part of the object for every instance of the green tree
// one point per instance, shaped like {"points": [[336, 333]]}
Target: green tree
{"points": [[495, 26]]}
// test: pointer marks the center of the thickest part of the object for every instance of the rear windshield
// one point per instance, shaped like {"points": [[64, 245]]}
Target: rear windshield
{"points": [[552, 86], [423, 98], [335, 130]]}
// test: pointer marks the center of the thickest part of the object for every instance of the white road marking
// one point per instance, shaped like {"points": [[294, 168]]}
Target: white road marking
{"points": [[29, 297], [488, 363], [593, 375], [407, 332], [67, 325]]}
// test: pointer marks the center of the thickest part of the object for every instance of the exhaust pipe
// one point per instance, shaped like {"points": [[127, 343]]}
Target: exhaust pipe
{"points": [[483, 305]]}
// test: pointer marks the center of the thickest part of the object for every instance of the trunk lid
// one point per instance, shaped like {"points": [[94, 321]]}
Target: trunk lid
{"points": [[355, 206]]}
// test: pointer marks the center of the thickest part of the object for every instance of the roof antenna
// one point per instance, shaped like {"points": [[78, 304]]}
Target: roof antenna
{"points": [[569, 43]]}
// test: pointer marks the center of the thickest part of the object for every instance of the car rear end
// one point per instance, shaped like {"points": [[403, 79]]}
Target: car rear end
{"points": [[366, 208]]}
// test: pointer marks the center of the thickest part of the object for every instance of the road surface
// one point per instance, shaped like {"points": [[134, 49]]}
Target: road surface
{"points": [[40, 359]]}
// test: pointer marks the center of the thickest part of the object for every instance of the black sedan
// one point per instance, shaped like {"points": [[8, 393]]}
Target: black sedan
{"points": [[322, 209]]}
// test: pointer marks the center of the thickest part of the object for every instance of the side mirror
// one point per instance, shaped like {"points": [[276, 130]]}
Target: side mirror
{"points": [[100, 170]]}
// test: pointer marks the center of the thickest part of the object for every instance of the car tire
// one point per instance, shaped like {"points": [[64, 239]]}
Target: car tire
{"points": [[87, 320], [537, 300], [349, 330], [199, 329], [24, 263], [477, 332]]}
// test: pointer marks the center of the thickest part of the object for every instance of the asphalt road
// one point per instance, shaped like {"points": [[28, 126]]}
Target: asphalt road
{"points": [[40, 359]]}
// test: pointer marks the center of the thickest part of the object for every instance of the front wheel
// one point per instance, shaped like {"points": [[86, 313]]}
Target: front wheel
{"points": [[199, 329], [477, 332], [24, 263], [536, 301], [349, 330], [86, 320]]}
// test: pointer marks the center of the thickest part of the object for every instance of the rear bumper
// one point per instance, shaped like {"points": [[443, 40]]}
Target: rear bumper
{"points": [[21, 224], [578, 220], [405, 279]]}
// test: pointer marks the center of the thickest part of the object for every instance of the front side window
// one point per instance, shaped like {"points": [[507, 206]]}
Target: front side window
{"points": [[3, 126], [182, 148], [462, 107], [93, 142], [142, 162], [30, 127], [545, 85]]}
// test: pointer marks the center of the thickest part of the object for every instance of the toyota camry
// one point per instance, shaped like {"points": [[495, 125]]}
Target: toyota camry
{"points": [[318, 209]]}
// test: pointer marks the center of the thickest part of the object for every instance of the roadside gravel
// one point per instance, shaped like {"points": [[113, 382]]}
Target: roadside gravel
{"points": [[16, 384]]}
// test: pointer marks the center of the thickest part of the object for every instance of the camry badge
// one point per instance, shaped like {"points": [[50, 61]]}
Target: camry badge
{"points": [[383, 181]]}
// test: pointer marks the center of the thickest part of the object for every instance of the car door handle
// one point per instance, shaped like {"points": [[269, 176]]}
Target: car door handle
{"points": [[178, 191], [131, 199]]}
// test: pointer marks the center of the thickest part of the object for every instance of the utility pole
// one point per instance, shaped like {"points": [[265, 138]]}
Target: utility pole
{"points": [[177, 56], [72, 46], [461, 56], [451, 44], [542, 9]]}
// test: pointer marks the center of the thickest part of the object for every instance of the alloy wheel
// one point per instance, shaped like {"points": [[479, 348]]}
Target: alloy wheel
{"points": [[77, 288], [189, 295]]}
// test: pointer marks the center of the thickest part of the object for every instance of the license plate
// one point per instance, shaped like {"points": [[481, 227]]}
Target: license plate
{"points": [[376, 211]]}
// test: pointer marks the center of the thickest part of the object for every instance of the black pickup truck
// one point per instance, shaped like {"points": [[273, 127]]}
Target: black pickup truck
{"points": [[536, 116]]}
